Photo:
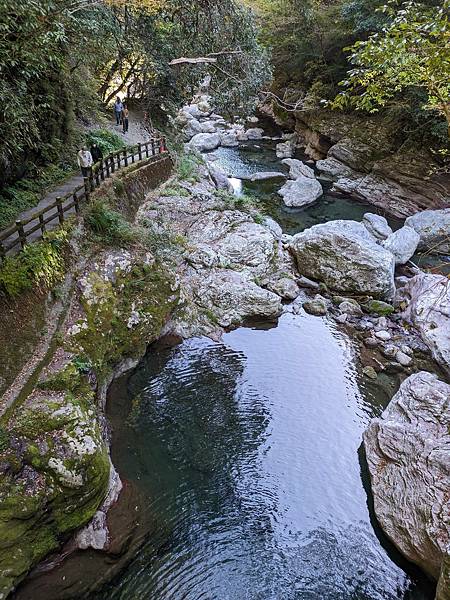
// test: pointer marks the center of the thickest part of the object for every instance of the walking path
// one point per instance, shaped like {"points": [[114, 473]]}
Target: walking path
{"points": [[136, 134]]}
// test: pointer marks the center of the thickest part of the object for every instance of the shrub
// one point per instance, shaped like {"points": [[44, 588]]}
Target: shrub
{"points": [[109, 225], [106, 140], [41, 263], [187, 168], [26, 193]]}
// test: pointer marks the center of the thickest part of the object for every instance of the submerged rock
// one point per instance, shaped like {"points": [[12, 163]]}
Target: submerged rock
{"points": [[345, 256], [408, 454], [301, 191], [425, 301], [433, 227], [402, 244]]}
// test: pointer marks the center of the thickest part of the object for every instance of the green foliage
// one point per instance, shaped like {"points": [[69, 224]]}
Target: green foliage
{"points": [[412, 51], [109, 225], [175, 190], [106, 140], [40, 264], [187, 167], [27, 192]]}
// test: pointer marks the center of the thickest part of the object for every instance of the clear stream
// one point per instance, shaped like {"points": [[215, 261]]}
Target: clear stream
{"points": [[246, 456], [249, 455]]}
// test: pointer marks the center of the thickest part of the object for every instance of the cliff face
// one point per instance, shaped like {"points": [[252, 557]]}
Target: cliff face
{"points": [[368, 158], [55, 470]]}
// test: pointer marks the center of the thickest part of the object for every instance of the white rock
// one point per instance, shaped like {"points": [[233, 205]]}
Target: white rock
{"points": [[403, 358], [402, 244], [255, 133], [301, 191], [229, 139], [408, 453], [346, 257], [426, 304], [433, 226], [285, 149], [377, 226], [265, 176], [297, 168], [205, 141], [383, 335]]}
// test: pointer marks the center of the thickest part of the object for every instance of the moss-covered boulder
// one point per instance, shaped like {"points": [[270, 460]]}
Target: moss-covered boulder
{"points": [[54, 468], [125, 299]]}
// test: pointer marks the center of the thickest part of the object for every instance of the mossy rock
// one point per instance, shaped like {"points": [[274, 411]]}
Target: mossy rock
{"points": [[55, 477], [379, 307]]}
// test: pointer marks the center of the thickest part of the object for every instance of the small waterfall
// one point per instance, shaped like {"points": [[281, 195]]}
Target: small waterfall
{"points": [[236, 184]]}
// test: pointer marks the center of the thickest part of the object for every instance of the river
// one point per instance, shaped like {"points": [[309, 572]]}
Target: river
{"points": [[244, 460]]}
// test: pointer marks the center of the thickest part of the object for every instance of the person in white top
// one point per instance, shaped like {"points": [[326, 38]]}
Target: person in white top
{"points": [[85, 161]]}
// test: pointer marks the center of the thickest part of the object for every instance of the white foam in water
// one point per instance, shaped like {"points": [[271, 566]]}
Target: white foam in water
{"points": [[236, 185]]}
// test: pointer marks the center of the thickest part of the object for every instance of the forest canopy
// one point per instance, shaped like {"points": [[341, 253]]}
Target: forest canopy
{"points": [[60, 60]]}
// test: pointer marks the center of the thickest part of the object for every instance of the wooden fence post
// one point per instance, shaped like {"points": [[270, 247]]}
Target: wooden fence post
{"points": [[113, 164], [163, 140], [97, 175], [132, 154], [140, 151], [2, 251], [87, 191], [60, 209], [153, 148], [42, 224], [125, 157], [102, 170], [107, 166], [21, 233], [77, 203], [146, 149]]}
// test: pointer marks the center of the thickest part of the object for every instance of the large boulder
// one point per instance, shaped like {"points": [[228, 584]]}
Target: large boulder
{"points": [[301, 191], [425, 300], [433, 226], [285, 149], [377, 226], [402, 243], [255, 133], [268, 176], [346, 257], [203, 142], [408, 453], [297, 168], [219, 178], [229, 138], [193, 127]]}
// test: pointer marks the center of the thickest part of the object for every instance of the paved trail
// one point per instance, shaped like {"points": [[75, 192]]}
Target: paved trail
{"points": [[136, 133]]}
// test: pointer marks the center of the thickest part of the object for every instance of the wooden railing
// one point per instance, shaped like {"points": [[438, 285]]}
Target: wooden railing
{"points": [[36, 224]]}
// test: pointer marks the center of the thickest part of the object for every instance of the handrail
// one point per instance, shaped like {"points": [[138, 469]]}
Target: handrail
{"points": [[17, 234]]}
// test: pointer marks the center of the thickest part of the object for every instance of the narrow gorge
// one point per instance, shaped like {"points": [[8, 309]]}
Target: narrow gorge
{"points": [[227, 374]]}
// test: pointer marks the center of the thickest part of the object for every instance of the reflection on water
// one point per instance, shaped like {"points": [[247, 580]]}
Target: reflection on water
{"points": [[247, 453]]}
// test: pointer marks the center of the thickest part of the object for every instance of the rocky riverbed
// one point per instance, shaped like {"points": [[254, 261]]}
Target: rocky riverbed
{"points": [[216, 261]]}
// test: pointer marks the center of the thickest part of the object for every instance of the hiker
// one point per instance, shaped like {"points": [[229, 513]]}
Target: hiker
{"points": [[125, 114], [118, 108], [96, 153], [85, 161]]}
